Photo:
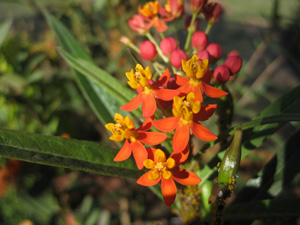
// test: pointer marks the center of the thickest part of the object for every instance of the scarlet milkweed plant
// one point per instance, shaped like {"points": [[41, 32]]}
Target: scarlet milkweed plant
{"points": [[180, 108], [174, 103]]}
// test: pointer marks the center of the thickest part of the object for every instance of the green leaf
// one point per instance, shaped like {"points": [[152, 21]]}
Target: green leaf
{"points": [[99, 76], [103, 103], [4, 31], [62, 152]]}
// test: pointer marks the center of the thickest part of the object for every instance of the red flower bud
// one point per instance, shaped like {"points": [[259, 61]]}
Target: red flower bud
{"points": [[197, 4], [148, 50], [234, 64], [233, 53], [215, 51], [188, 21], [199, 40], [221, 74], [167, 45], [203, 55], [176, 57], [212, 12]]}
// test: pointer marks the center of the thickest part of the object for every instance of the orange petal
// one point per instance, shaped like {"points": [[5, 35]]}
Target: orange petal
{"points": [[151, 138], [198, 93], [181, 80], [181, 138], [205, 112], [160, 25], [149, 105], [145, 181], [163, 79], [181, 157], [167, 124], [185, 177], [212, 91], [169, 190], [165, 94], [133, 104], [139, 152], [124, 152], [202, 132], [185, 89]]}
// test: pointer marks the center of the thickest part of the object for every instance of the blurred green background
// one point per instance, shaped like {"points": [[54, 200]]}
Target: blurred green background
{"points": [[38, 94]]}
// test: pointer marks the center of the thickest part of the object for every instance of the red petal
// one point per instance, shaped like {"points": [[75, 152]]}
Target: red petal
{"points": [[139, 152], [182, 156], [151, 138], [133, 104], [165, 94], [181, 138], [163, 79], [205, 112], [151, 152], [181, 80], [124, 152], [167, 124], [212, 91], [202, 132], [145, 181], [185, 177], [149, 105], [169, 190], [207, 77], [147, 124]]}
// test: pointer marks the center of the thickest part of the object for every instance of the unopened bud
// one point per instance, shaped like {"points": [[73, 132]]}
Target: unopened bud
{"points": [[197, 5], [221, 74], [176, 58], [234, 64], [212, 12], [167, 45], [203, 55], [215, 51], [199, 40], [148, 50]]}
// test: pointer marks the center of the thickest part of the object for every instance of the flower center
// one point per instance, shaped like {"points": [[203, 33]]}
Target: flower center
{"points": [[159, 166]]}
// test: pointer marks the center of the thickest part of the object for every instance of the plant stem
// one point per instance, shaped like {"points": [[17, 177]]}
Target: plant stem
{"points": [[191, 30]]}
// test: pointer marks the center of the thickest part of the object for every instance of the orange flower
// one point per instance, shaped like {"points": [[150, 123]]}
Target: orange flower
{"points": [[150, 13], [147, 90], [198, 77], [173, 9], [186, 114], [166, 171], [135, 138]]}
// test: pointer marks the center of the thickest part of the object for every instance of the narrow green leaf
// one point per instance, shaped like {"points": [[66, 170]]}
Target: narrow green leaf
{"points": [[62, 152], [103, 104], [4, 31], [99, 76]]}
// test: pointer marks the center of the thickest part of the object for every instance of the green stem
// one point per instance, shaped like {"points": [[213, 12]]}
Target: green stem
{"points": [[209, 26], [150, 37], [191, 30]]}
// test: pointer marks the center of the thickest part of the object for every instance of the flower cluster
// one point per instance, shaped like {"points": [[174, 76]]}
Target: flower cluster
{"points": [[173, 104]]}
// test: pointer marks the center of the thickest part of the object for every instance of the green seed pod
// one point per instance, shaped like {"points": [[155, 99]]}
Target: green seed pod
{"points": [[231, 160]]}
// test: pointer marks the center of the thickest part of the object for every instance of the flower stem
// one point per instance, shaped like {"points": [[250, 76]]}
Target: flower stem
{"points": [[208, 27], [150, 37], [191, 30]]}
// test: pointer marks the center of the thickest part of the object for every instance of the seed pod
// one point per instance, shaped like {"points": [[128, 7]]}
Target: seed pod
{"points": [[231, 160]]}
